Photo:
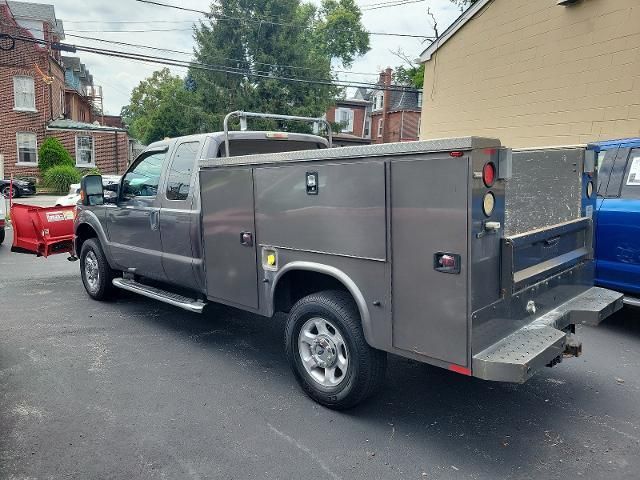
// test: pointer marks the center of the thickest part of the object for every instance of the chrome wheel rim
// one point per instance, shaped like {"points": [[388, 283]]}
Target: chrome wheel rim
{"points": [[323, 352], [91, 271]]}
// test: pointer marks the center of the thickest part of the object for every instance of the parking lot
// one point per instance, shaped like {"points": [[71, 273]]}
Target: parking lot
{"points": [[137, 389]]}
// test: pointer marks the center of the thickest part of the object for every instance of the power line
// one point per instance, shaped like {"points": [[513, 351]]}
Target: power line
{"points": [[260, 21], [220, 68], [395, 3], [154, 30], [183, 52]]}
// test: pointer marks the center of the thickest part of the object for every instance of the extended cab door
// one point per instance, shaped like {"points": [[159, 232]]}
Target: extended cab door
{"points": [[618, 222], [179, 216], [133, 224]]}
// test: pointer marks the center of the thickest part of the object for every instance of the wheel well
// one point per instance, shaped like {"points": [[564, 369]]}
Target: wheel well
{"points": [[84, 233], [297, 284]]}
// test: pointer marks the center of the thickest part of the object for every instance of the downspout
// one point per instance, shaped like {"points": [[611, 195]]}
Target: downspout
{"points": [[115, 151], [402, 126]]}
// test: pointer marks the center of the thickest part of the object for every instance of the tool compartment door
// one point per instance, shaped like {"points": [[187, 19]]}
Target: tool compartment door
{"points": [[227, 214], [429, 201]]}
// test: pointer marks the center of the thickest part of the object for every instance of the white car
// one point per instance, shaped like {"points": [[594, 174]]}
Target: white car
{"points": [[73, 197]]}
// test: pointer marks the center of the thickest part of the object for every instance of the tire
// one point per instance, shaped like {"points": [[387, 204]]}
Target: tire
{"points": [[328, 353], [6, 190], [1, 234], [95, 271]]}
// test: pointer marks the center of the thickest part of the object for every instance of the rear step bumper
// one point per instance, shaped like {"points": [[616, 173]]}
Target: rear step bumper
{"points": [[632, 301], [518, 356], [186, 303]]}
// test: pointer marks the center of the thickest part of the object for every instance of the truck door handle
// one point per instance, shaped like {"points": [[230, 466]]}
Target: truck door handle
{"points": [[552, 242], [246, 239], [153, 220]]}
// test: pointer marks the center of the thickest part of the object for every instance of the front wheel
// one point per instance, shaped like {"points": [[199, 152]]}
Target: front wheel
{"points": [[328, 353], [1, 234], [96, 273], [6, 191]]}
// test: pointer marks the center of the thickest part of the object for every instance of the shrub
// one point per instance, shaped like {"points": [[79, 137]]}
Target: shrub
{"points": [[52, 154], [90, 171], [60, 177]]}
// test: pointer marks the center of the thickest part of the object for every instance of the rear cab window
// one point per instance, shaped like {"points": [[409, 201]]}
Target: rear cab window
{"points": [[240, 147], [181, 171]]}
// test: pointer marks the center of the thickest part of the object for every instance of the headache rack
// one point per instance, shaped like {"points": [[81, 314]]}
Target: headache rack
{"points": [[243, 116]]}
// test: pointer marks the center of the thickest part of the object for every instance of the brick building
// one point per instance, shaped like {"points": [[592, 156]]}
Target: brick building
{"points": [[388, 114], [36, 101], [354, 115], [396, 111]]}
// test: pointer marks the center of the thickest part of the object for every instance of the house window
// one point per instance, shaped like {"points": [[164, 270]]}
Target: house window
{"points": [[24, 97], [378, 101], [345, 117], [367, 128], [85, 155], [27, 148], [380, 127]]}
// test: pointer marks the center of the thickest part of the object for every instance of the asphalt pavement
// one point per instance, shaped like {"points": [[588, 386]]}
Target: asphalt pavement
{"points": [[134, 389]]}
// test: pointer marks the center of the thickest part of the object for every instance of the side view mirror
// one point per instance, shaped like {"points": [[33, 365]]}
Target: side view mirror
{"points": [[91, 190]]}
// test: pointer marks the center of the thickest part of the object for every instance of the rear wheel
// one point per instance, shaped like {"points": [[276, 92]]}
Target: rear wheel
{"points": [[95, 271], [328, 353]]}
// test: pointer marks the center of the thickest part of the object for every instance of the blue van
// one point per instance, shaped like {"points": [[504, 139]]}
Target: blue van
{"points": [[618, 217]]}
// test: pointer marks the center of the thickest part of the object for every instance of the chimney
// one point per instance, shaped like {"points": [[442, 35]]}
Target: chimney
{"points": [[385, 104]]}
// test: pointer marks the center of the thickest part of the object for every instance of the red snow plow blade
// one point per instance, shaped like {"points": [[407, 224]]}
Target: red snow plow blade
{"points": [[42, 231]]}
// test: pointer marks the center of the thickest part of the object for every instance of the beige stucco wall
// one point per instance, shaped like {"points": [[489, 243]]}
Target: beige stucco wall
{"points": [[533, 73]]}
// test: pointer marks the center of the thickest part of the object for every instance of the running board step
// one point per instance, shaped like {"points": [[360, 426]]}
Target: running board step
{"points": [[186, 303]]}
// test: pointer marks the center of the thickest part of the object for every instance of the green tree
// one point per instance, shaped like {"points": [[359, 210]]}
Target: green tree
{"points": [[52, 153], [266, 39], [161, 106], [411, 75]]}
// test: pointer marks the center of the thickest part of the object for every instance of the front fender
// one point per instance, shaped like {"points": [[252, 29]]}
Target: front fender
{"points": [[94, 220]]}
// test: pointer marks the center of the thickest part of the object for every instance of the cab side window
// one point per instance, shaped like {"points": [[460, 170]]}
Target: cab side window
{"points": [[631, 184], [143, 179], [181, 171]]}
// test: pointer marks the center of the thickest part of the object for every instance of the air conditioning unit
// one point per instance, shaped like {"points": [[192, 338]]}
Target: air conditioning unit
{"points": [[567, 3]]}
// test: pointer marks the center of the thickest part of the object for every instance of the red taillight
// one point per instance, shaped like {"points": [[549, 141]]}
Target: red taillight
{"points": [[489, 174], [456, 154]]}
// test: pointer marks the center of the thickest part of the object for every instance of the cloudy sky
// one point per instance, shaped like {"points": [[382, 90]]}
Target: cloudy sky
{"points": [[106, 20]]}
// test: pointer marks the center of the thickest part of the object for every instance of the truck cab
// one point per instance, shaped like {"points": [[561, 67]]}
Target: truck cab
{"points": [[151, 228], [617, 249]]}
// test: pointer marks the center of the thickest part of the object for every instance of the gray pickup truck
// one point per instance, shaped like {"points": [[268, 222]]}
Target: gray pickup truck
{"points": [[459, 253]]}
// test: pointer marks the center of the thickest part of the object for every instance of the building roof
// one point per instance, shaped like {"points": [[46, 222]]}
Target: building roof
{"points": [[460, 22], [37, 11], [402, 98], [64, 124]]}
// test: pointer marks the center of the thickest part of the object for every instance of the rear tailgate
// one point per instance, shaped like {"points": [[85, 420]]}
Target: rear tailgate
{"points": [[548, 215], [546, 267], [529, 258]]}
